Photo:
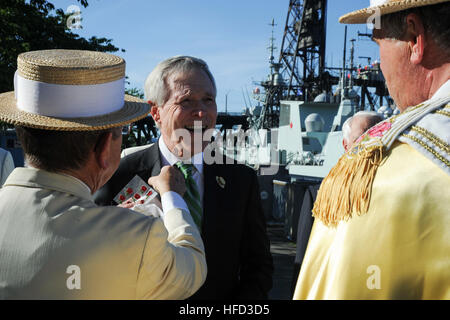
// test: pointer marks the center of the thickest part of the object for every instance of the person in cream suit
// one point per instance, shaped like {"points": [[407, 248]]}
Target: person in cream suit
{"points": [[55, 242]]}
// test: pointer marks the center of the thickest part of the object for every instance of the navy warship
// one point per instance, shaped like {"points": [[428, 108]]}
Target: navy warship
{"points": [[293, 135]]}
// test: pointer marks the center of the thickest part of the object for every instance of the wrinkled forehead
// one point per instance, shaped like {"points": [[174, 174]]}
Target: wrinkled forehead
{"points": [[193, 79]]}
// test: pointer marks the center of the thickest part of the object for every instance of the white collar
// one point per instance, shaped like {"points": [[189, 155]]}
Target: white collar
{"points": [[169, 158], [443, 91], [80, 181], [27, 165]]}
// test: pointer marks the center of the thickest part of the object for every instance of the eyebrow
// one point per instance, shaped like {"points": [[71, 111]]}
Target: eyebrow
{"points": [[181, 96]]}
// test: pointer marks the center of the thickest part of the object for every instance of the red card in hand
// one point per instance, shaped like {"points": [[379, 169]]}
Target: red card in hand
{"points": [[137, 190]]}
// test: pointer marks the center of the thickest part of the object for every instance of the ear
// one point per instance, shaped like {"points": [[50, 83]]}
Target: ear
{"points": [[344, 144], [154, 111], [103, 150], [416, 38]]}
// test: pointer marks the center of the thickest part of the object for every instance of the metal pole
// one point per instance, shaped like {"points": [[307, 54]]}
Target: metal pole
{"points": [[344, 82], [226, 103]]}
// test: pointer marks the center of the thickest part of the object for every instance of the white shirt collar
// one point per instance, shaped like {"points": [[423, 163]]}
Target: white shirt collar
{"points": [[80, 181], [443, 91], [168, 158], [27, 165]]}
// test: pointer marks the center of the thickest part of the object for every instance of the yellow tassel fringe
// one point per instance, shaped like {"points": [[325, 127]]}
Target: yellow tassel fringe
{"points": [[347, 188]]}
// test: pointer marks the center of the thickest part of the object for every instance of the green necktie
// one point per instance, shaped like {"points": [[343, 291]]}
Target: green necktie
{"points": [[191, 196]]}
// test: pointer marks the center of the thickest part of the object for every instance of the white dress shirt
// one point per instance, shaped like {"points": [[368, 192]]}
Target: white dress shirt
{"points": [[173, 199]]}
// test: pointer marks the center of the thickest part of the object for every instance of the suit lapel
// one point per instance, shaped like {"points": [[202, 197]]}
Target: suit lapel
{"points": [[209, 197], [156, 168], [216, 195], [150, 164], [151, 161]]}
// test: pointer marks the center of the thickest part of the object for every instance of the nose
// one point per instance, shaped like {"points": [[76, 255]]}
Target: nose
{"points": [[203, 110], [200, 113], [199, 110]]}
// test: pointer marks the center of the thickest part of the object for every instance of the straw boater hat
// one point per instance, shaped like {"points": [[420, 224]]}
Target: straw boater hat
{"points": [[70, 90], [385, 7]]}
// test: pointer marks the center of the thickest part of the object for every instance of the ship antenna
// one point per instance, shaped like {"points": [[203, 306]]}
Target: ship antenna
{"points": [[344, 82], [272, 47]]}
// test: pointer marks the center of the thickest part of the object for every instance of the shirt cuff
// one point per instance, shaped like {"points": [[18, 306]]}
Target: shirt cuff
{"points": [[171, 200]]}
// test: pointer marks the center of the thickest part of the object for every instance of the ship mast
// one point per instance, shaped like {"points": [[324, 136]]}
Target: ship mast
{"points": [[299, 73], [303, 49]]}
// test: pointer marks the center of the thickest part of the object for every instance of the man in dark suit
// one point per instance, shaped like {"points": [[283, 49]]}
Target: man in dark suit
{"points": [[181, 91]]}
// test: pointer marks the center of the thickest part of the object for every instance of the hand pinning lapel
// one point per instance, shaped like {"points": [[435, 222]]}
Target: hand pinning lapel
{"points": [[221, 182]]}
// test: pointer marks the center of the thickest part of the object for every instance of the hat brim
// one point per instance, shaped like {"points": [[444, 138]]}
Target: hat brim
{"points": [[362, 16], [133, 110]]}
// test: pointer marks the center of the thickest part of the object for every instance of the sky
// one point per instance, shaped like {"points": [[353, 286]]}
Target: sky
{"points": [[231, 36]]}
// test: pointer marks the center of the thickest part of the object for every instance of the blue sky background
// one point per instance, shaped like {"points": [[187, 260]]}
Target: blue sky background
{"points": [[231, 36]]}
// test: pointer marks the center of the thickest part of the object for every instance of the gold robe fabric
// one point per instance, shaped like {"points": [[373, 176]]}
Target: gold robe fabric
{"points": [[399, 249]]}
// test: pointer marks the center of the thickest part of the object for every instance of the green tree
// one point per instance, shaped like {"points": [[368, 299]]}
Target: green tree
{"points": [[37, 25], [135, 92], [27, 25]]}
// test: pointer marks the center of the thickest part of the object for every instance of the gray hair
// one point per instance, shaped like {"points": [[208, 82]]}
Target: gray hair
{"points": [[435, 19], [155, 87], [372, 117]]}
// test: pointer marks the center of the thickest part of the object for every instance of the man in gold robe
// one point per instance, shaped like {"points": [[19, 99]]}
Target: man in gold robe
{"points": [[382, 227]]}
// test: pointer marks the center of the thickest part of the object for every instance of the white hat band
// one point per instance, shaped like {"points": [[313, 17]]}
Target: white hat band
{"points": [[68, 101], [376, 3]]}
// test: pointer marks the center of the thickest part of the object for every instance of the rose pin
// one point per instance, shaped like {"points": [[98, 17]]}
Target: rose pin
{"points": [[221, 182]]}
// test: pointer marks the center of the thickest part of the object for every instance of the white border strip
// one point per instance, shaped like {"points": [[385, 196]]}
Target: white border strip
{"points": [[68, 101], [376, 3]]}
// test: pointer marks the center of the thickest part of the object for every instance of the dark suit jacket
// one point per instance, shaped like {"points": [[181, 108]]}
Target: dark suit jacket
{"points": [[305, 222], [233, 225]]}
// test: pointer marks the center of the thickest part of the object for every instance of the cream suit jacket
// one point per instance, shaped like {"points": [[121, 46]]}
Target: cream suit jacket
{"points": [[56, 243]]}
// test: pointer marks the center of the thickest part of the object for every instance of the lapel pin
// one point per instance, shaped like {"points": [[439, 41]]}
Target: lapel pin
{"points": [[221, 182]]}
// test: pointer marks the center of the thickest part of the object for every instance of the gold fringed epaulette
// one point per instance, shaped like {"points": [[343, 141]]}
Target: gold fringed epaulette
{"points": [[346, 189]]}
